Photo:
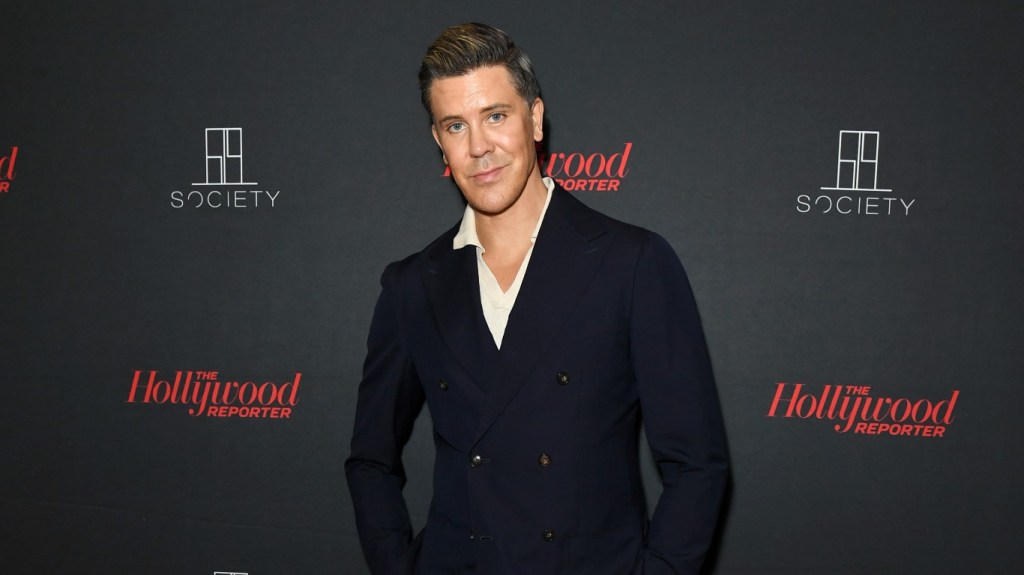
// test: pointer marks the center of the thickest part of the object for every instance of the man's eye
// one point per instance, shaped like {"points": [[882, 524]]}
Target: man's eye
{"points": [[456, 127], [496, 117]]}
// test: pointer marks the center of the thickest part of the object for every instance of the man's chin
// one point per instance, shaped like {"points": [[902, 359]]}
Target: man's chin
{"points": [[485, 208], [490, 210]]}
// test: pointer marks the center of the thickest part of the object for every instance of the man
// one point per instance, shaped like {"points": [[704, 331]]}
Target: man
{"points": [[537, 331]]}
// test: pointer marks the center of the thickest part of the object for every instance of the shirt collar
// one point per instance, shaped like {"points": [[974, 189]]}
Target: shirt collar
{"points": [[467, 229]]}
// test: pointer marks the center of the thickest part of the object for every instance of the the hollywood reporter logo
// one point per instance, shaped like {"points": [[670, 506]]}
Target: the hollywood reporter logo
{"points": [[7, 171], [205, 395], [577, 171], [855, 410]]}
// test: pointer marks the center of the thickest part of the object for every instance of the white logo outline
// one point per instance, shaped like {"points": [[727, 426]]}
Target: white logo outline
{"points": [[222, 139], [861, 159]]}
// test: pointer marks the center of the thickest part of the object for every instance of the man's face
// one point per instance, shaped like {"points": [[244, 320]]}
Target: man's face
{"points": [[487, 134]]}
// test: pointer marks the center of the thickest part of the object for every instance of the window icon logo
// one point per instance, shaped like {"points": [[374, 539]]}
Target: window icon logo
{"points": [[857, 165], [224, 158]]}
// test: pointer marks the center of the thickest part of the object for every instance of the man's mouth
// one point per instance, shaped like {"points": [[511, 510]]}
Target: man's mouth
{"points": [[488, 175]]}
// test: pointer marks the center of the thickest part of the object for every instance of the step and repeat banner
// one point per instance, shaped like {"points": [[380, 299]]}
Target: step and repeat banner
{"points": [[197, 200]]}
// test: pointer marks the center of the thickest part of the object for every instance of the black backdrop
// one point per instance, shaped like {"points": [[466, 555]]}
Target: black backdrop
{"points": [[112, 271]]}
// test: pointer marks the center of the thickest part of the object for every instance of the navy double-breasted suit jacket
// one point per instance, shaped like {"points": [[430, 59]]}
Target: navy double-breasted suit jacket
{"points": [[536, 469]]}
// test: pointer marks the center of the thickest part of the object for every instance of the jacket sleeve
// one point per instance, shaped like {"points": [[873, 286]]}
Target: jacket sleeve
{"points": [[681, 413], [390, 398]]}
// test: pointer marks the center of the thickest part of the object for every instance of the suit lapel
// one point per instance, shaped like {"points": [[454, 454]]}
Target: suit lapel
{"points": [[568, 252], [452, 286]]}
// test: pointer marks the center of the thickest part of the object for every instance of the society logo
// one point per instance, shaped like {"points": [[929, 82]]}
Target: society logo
{"points": [[225, 185], [856, 190]]}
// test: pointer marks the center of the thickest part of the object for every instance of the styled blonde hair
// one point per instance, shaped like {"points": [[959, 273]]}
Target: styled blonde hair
{"points": [[462, 48]]}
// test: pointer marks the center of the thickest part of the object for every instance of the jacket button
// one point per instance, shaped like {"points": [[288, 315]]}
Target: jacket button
{"points": [[562, 378], [544, 460], [442, 384], [549, 535], [476, 461]]}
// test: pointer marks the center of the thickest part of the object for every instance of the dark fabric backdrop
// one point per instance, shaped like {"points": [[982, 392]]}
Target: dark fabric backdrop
{"points": [[731, 113]]}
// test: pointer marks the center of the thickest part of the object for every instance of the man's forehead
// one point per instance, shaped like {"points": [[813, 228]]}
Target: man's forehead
{"points": [[479, 88]]}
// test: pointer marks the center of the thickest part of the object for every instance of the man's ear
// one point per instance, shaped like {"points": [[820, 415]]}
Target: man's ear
{"points": [[537, 115], [433, 132]]}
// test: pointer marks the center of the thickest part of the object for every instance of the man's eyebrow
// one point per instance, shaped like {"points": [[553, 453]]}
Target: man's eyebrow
{"points": [[500, 106], [493, 107], [448, 118]]}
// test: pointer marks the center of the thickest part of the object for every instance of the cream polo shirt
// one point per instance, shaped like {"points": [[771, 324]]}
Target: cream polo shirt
{"points": [[496, 303]]}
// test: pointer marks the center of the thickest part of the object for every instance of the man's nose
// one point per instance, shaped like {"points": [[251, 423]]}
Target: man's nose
{"points": [[479, 143]]}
